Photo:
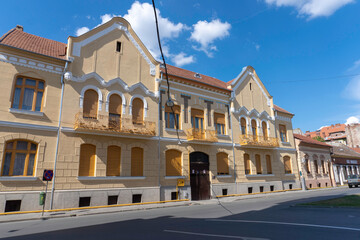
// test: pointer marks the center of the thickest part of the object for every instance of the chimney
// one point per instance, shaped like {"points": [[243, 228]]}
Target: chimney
{"points": [[19, 27]]}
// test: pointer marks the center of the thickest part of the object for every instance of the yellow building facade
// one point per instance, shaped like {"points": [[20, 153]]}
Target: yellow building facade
{"points": [[95, 111]]}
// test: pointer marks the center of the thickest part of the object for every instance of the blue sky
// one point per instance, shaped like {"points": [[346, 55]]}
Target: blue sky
{"points": [[306, 52]]}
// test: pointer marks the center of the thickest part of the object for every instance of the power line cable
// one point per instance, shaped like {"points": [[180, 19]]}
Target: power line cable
{"points": [[169, 102]]}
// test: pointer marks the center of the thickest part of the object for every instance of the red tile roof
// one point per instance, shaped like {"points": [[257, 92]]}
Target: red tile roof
{"points": [[325, 132], [179, 72], [18, 38], [305, 139], [279, 109], [356, 149]]}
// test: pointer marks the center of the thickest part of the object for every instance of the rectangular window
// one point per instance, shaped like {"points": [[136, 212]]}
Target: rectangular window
{"points": [[12, 205], [287, 165], [247, 164], [137, 161], [28, 94], [283, 136], [87, 160], [113, 200], [136, 198], [84, 201], [219, 121], [118, 46], [197, 119], [172, 119], [19, 158]]}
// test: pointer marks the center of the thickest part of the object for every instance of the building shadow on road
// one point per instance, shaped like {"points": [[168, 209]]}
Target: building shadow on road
{"points": [[283, 220]]}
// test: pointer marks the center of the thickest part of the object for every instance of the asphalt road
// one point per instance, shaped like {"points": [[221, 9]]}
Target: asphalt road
{"points": [[272, 216]]}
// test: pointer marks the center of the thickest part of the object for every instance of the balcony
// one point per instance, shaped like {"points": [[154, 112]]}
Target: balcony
{"points": [[201, 135], [258, 141], [104, 123]]}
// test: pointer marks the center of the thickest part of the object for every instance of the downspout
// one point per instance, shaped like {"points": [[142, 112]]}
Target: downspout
{"points": [[58, 136], [233, 144], [159, 134]]}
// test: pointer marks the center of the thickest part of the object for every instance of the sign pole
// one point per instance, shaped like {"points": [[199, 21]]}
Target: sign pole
{"points": [[47, 183]]}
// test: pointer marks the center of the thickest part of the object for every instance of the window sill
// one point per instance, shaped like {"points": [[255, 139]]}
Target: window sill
{"points": [[173, 130], [260, 175], [110, 178], [289, 174], [10, 179], [224, 176], [286, 143], [26, 112], [175, 177], [222, 136]]}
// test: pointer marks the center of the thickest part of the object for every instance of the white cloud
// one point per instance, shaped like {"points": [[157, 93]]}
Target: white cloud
{"points": [[181, 59], [257, 47], [107, 17], [312, 8], [352, 119], [81, 31], [352, 90], [141, 18], [355, 66], [205, 33]]}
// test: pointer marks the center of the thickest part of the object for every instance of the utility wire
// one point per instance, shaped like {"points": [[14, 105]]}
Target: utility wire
{"points": [[169, 102]]}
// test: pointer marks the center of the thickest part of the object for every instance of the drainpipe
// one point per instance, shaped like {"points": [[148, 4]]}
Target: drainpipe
{"points": [[58, 136], [233, 144], [159, 134]]}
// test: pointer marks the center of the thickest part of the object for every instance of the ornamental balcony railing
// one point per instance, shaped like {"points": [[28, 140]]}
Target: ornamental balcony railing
{"points": [[194, 134], [114, 124], [251, 140]]}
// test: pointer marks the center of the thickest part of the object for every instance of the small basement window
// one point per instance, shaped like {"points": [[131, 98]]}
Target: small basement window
{"points": [[12, 205], [84, 201], [136, 198], [249, 189], [224, 191], [261, 188], [290, 186], [112, 200], [272, 188], [118, 46], [173, 196]]}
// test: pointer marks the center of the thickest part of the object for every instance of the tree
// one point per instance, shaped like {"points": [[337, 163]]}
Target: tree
{"points": [[318, 138]]}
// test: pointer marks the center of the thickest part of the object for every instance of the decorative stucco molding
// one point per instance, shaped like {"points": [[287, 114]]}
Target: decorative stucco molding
{"points": [[283, 118], [30, 63], [78, 45], [68, 76]]}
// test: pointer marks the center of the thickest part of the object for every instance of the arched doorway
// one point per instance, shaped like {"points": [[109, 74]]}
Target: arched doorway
{"points": [[199, 176]]}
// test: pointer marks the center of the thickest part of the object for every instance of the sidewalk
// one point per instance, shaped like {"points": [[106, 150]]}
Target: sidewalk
{"points": [[105, 209]]}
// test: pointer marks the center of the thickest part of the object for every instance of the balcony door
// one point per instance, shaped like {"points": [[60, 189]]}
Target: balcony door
{"points": [[199, 176]]}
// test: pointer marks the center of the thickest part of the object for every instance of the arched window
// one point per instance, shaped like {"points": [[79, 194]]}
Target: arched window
{"points": [[253, 128], [219, 120], [268, 164], [243, 126], [287, 165], [307, 164], [282, 129], [137, 161], [247, 164], [90, 107], [113, 161], [222, 163], [323, 166], [316, 164], [264, 130], [115, 104], [19, 158], [138, 111], [172, 117], [258, 164], [28, 94], [87, 160], [173, 163]]}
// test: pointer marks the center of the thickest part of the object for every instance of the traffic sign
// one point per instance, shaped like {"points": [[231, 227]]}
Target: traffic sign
{"points": [[48, 175]]}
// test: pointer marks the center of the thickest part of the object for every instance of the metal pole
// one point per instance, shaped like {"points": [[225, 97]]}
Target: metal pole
{"points": [[47, 183]]}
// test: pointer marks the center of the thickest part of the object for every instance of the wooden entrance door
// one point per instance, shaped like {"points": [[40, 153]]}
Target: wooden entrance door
{"points": [[199, 176]]}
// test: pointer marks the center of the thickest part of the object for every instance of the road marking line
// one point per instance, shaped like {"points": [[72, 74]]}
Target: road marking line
{"points": [[215, 235], [285, 223]]}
